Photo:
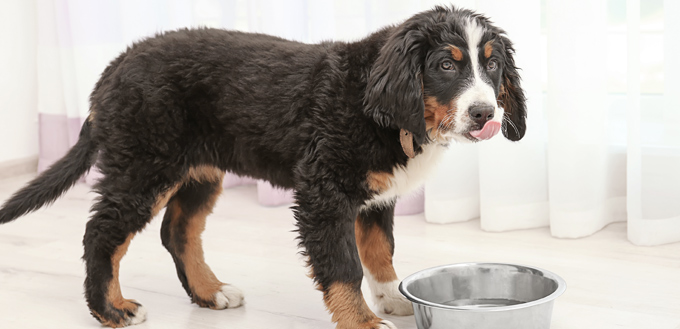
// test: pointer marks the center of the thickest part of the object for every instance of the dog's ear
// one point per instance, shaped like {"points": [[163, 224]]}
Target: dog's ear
{"points": [[394, 94], [511, 96]]}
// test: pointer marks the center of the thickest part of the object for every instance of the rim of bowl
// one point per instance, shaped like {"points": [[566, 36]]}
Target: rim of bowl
{"points": [[561, 288]]}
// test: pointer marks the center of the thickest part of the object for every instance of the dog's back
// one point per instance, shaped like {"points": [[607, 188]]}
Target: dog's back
{"points": [[248, 103]]}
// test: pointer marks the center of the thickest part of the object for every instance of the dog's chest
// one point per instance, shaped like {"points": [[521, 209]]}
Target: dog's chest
{"points": [[407, 179]]}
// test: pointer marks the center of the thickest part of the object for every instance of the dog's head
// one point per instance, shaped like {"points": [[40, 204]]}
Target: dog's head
{"points": [[447, 74]]}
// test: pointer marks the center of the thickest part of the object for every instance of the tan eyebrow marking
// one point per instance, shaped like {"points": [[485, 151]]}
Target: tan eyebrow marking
{"points": [[456, 52], [488, 48]]}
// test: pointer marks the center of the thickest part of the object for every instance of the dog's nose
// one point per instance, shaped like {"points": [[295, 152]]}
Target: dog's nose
{"points": [[481, 113]]}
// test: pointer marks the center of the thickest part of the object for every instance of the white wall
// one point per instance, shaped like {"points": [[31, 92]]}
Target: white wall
{"points": [[18, 80]]}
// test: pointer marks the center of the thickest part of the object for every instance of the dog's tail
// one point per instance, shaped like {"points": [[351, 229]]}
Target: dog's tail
{"points": [[53, 182]]}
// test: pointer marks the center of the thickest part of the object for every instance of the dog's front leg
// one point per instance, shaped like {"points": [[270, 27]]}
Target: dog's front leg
{"points": [[375, 242], [325, 220]]}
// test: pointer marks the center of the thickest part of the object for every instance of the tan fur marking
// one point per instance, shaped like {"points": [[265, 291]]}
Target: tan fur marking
{"points": [[114, 295], [504, 98], [436, 113], [488, 49], [199, 173], [202, 281], [456, 53], [379, 181], [162, 199], [109, 323], [204, 173], [90, 117], [375, 252], [348, 307], [103, 321]]}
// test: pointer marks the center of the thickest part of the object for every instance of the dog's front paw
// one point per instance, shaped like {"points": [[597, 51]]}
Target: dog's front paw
{"points": [[395, 305], [389, 300], [228, 297]]}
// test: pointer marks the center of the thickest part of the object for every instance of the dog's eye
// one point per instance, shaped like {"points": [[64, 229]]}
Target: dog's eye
{"points": [[447, 65], [492, 65]]}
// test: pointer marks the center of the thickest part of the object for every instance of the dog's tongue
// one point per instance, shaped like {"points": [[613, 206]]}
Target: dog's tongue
{"points": [[490, 129]]}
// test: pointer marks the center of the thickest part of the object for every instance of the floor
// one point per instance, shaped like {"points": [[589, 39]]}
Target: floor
{"points": [[611, 283]]}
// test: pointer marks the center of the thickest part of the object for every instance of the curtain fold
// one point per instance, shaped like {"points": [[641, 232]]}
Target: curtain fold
{"points": [[601, 144], [18, 125], [585, 194], [654, 138]]}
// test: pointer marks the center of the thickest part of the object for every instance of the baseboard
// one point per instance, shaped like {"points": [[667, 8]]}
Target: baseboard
{"points": [[18, 167]]}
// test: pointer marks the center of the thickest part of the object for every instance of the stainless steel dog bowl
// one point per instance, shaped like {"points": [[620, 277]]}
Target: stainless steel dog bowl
{"points": [[483, 296]]}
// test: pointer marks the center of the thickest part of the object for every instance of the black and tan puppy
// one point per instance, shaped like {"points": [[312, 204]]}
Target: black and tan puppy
{"points": [[348, 126]]}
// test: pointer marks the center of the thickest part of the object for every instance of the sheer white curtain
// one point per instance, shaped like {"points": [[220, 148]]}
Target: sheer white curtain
{"points": [[586, 171], [18, 81], [603, 137], [654, 135]]}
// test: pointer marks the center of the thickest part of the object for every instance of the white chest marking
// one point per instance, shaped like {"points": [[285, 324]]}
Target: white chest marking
{"points": [[409, 178]]}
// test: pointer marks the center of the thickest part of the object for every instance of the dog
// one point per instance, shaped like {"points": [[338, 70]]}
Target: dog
{"points": [[347, 126]]}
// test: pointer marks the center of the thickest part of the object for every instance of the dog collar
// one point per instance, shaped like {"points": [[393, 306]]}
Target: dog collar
{"points": [[406, 139]]}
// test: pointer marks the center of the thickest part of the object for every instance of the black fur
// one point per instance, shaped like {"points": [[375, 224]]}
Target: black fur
{"points": [[313, 118], [394, 96], [513, 99], [52, 183]]}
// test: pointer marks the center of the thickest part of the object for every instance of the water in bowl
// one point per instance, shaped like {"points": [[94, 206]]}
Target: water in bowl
{"points": [[482, 303]]}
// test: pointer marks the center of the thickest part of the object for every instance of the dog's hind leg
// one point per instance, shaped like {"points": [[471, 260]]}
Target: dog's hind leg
{"points": [[375, 241], [125, 205], [183, 224]]}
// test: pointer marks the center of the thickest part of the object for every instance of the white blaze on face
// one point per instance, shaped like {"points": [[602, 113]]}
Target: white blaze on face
{"points": [[479, 90]]}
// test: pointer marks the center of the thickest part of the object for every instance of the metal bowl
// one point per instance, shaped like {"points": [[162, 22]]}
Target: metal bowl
{"points": [[483, 296]]}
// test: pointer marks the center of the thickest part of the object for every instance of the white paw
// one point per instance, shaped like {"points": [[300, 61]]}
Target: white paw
{"points": [[139, 317], [387, 297], [228, 297], [390, 301], [384, 324]]}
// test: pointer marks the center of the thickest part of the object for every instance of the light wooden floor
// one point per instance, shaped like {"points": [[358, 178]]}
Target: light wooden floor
{"points": [[611, 283]]}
